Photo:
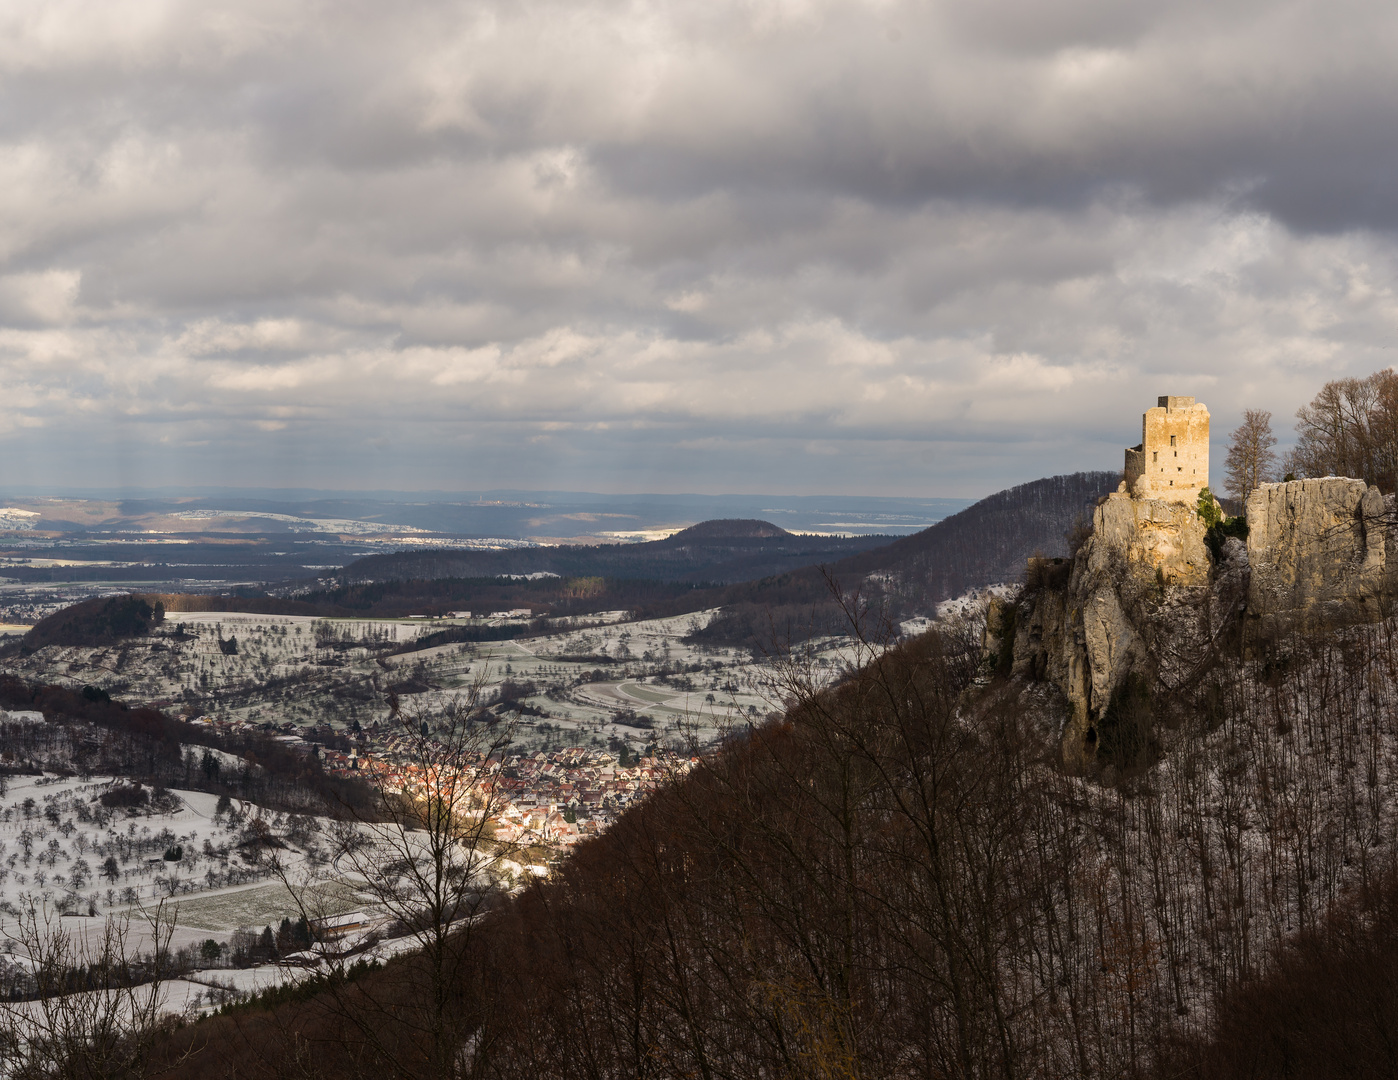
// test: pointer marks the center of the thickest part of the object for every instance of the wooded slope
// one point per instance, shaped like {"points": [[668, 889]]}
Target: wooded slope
{"points": [[896, 880]]}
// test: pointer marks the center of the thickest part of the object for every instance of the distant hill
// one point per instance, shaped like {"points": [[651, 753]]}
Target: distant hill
{"points": [[727, 529], [99, 621], [712, 552]]}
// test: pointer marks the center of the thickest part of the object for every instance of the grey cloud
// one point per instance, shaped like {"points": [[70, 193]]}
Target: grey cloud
{"points": [[693, 246]]}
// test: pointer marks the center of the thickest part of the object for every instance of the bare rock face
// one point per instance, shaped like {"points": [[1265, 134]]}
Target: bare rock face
{"points": [[1145, 606], [1319, 551], [1111, 646], [1088, 637], [999, 624], [1151, 538], [1140, 548], [1040, 637]]}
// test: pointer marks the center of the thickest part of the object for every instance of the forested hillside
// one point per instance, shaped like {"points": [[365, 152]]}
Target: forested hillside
{"points": [[896, 879], [98, 621], [90, 733], [985, 544], [989, 541]]}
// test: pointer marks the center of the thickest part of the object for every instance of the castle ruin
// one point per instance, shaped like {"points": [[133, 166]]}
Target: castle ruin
{"points": [[1172, 461], [1124, 623]]}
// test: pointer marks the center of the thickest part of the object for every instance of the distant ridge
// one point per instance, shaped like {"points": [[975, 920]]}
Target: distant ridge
{"points": [[712, 552], [990, 541], [987, 543], [769, 584]]}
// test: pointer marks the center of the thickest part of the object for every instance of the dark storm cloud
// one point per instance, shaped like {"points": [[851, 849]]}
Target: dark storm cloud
{"points": [[896, 246]]}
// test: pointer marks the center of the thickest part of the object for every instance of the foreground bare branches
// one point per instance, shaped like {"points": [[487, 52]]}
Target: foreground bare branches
{"points": [[95, 1006], [895, 880], [425, 860]]}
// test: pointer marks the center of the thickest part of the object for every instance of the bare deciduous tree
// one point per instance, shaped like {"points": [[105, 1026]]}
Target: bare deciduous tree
{"points": [[1350, 428], [94, 1007], [1251, 459], [427, 859]]}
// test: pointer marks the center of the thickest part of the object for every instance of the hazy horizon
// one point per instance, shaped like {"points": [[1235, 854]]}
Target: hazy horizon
{"points": [[547, 517], [432, 494]]}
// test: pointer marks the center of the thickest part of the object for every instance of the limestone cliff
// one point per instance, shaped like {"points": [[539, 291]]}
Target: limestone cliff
{"points": [[1151, 539], [1088, 635], [1321, 553], [1144, 600]]}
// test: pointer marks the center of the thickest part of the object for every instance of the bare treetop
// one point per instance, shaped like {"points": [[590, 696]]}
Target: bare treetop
{"points": [[1251, 459]]}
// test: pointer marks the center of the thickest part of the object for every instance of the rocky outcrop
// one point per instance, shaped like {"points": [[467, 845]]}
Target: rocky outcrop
{"points": [[1144, 611], [1141, 588], [997, 643], [1153, 540], [1322, 553], [1088, 633], [1145, 599]]}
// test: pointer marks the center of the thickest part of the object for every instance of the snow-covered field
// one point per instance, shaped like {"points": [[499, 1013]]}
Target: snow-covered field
{"points": [[82, 865], [62, 850], [587, 684]]}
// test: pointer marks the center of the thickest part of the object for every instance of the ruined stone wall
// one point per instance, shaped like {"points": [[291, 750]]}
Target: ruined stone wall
{"points": [[1135, 465], [1172, 462]]}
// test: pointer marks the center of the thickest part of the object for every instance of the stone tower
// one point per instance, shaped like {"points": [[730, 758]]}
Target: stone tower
{"points": [[1172, 461]]}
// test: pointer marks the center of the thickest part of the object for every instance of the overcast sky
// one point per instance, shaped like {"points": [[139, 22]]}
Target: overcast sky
{"points": [[926, 248]]}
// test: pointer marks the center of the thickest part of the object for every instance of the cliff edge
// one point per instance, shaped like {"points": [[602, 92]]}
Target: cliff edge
{"points": [[1148, 603], [1322, 552]]}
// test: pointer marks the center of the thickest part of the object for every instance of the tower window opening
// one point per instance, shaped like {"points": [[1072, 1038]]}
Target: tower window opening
{"points": [[1172, 440]]}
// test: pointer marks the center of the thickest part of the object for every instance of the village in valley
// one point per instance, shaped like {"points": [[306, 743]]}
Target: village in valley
{"points": [[566, 730], [545, 799], [581, 722]]}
